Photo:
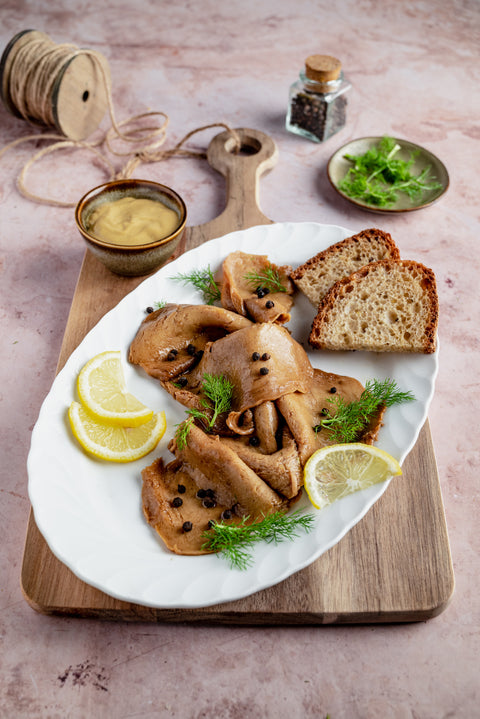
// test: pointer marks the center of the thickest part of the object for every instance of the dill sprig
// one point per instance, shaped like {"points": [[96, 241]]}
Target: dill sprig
{"points": [[204, 281], [378, 176], [235, 541], [218, 391], [269, 279], [350, 419], [181, 433], [160, 304]]}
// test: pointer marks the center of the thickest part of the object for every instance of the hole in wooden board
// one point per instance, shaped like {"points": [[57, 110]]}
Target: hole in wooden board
{"points": [[249, 146]]}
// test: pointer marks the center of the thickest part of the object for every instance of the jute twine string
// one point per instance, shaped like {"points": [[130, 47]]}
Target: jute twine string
{"points": [[35, 67]]}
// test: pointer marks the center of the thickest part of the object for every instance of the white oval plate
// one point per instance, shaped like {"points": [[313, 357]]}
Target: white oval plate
{"points": [[89, 511]]}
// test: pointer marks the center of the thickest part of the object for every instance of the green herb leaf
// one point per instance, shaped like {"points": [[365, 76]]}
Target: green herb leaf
{"points": [[218, 391], [378, 176], [235, 541], [349, 420], [204, 281], [181, 433], [270, 278]]}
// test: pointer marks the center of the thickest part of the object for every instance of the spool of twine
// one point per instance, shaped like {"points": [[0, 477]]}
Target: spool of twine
{"points": [[68, 90]]}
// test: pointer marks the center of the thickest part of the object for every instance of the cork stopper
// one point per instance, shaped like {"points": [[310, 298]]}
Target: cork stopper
{"points": [[322, 68]]}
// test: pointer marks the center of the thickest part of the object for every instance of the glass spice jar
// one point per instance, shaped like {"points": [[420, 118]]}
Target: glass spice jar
{"points": [[317, 106]]}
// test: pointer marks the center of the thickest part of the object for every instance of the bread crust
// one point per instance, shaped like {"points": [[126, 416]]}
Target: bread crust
{"points": [[333, 304], [315, 276]]}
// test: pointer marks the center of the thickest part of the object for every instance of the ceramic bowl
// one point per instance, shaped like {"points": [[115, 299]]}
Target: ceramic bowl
{"points": [[131, 260], [338, 167]]}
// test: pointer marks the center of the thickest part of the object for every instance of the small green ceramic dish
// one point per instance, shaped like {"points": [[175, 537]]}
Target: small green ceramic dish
{"points": [[338, 167], [131, 260]]}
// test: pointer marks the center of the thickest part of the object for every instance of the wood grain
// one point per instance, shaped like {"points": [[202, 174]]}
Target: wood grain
{"points": [[393, 566]]}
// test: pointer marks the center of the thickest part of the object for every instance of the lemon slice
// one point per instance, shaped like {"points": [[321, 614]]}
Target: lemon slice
{"points": [[101, 388], [116, 444], [338, 470]]}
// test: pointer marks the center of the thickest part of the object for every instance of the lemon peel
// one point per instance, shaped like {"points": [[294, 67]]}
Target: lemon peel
{"points": [[114, 443], [102, 390], [338, 470]]}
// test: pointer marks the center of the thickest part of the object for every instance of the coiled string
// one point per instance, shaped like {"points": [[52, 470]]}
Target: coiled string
{"points": [[35, 68]]}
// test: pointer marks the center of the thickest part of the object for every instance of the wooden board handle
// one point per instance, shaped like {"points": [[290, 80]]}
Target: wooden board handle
{"points": [[242, 169]]}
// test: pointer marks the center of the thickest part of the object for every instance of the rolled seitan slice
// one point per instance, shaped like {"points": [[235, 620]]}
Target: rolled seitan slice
{"points": [[262, 362], [258, 300], [171, 340], [171, 506], [213, 465]]}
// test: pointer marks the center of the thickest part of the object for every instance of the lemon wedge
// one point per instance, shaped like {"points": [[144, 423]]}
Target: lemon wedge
{"points": [[101, 388], [116, 444], [338, 470]]}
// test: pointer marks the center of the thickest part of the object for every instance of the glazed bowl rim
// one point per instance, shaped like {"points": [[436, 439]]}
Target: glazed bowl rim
{"points": [[128, 249]]}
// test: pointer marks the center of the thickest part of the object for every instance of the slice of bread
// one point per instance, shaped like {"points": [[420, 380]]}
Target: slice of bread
{"points": [[386, 306], [315, 277]]}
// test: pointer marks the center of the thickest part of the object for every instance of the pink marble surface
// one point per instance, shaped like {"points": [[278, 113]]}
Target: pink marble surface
{"points": [[414, 68]]}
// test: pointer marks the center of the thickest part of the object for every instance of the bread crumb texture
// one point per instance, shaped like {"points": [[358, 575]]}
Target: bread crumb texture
{"points": [[315, 277], [386, 306]]}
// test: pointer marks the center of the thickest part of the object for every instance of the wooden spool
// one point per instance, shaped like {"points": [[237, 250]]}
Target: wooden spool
{"points": [[79, 97]]}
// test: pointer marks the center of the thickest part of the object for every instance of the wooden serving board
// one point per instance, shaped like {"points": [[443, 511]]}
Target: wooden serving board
{"points": [[393, 566]]}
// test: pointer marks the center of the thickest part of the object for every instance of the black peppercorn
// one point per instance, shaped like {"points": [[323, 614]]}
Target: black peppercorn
{"points": [[256, 356], [149, 310], [210, 493], [264, 370], [260, 292], [324, 412], [254, 441], [226, 514], [201, 493], [265, 356], [177, 502], [269, 304], [181, 489], [209, 503], [182, 381], [191, 349], [187, 526], [172, 355], [333, 390]]}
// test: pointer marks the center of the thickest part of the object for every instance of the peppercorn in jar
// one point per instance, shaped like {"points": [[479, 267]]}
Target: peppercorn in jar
{"points": [[317, 102]]}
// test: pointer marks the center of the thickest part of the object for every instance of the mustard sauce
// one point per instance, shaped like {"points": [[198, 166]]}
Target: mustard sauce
{"points": [[132, 221]]}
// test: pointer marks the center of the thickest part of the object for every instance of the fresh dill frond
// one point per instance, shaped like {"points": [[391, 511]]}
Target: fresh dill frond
{"points": [[386, 392], [160, 304], [181, 433], [270, 279], [204, 281], [218, 391], [235, 541], [377, 176], [349, 419]]}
